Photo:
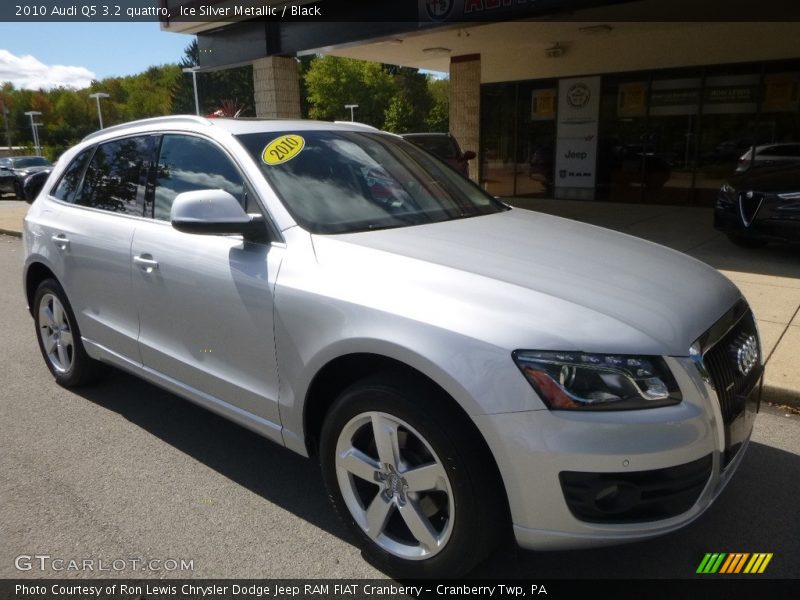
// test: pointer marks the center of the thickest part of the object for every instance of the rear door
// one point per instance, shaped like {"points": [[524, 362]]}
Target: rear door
{"points": [[93, 240], [205, 301]]}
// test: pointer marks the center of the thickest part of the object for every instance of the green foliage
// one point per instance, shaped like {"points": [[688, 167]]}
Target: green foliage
{"points": [[390, 97], [398, 99], [438, 119], [332, 82]]}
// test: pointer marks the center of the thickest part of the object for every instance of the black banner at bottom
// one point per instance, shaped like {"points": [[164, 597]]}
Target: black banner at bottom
{"points": [[363, 589]]}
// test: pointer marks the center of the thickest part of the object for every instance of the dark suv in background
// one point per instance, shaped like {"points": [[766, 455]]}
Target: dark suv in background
{"points": [[14, 170], [444, 146]]}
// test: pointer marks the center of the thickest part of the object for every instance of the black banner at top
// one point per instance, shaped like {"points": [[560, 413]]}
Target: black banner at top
{"points": [[423, 11]]}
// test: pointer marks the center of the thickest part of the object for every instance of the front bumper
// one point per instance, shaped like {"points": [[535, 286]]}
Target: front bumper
{"points": [[534, 448]]}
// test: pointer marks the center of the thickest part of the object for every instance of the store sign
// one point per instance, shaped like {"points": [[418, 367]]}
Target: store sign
{"points": [[781, 92], [576, 145], [632, 100], [543, 104]]}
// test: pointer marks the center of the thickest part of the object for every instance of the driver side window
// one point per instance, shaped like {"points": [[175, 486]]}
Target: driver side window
{"points": [[187, 163]]}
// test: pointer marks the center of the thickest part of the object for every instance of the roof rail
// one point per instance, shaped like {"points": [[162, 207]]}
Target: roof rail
{"points": [[357, 124], [168, 119]]}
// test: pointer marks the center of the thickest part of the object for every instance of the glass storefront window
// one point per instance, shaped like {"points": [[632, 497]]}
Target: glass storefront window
{"points": [[498, 132], [667, 137]]}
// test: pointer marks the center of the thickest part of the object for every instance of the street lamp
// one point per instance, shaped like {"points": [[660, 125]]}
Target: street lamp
{"points": [[31, 114], [193, 71], [97, 96], [351, 107]]}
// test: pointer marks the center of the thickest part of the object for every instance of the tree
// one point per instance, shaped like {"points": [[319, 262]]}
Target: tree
{"points": [[332, 82], [411, 102], [438, 118]]}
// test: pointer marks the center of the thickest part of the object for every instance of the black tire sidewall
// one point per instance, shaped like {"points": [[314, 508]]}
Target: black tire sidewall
{"points": [[470, 538], [79, 371]]}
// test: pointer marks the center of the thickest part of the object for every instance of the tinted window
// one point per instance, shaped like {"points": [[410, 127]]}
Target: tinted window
{"points": [[71, 179], [117, 176], [31, 161], [783, 150], [186, 164], [440, 145], [345, 181]]}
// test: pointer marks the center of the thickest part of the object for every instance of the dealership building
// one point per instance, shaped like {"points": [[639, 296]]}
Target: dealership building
{"points": [[610, 100]]}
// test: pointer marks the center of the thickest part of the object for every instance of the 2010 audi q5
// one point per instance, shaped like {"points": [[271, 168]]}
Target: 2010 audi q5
{"points": [[460, 368]]}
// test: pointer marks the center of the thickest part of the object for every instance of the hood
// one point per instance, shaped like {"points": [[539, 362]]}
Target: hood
{"points": [[530, 280]]}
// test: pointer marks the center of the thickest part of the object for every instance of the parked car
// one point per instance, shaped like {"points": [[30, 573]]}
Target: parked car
{"points": [[14, 170], [461, 369], [769, 154], [445, 147], [33, 184], [761, 205]]}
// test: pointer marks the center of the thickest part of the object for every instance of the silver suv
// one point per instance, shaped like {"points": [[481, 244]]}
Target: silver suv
{"points": [[460, 369]]}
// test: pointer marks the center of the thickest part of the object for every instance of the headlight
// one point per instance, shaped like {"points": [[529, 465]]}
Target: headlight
{"points": [[583, 381], [727, 188]]}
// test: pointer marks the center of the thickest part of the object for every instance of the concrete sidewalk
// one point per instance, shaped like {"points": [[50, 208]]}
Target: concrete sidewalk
{"points": [[768, 277], [11, 214]]}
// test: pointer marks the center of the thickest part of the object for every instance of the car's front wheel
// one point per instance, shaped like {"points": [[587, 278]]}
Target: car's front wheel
{"points": [[59, 337], [410, 479]]}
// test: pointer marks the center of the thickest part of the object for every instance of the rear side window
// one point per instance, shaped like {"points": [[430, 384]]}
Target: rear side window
{"points": [[186, 164], [71, 179], [116, 178]]}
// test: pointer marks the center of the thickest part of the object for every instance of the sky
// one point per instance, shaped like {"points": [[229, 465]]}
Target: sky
{"points": [[45, 55]]}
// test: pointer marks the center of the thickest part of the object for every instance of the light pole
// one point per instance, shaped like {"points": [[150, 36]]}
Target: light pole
{"points": [[31, 114], [193, 71], [97, 96], [351, 107]]}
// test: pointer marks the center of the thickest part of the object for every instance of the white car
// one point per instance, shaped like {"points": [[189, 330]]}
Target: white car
{"points": [[460, 369], [769, 154]]}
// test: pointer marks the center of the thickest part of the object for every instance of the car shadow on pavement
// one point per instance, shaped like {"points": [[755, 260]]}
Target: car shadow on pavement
{"points": [[755, 513], [278, 475]]}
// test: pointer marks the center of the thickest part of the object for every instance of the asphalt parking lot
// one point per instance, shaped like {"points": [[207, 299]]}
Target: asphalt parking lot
{"points": [[125, 470]]}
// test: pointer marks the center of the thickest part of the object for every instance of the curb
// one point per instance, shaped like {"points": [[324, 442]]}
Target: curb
{"points": [[11, 232]]}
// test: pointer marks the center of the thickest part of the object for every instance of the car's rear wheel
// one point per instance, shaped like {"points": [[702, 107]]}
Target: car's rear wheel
{"points": [[410, 480], [59, 337]]}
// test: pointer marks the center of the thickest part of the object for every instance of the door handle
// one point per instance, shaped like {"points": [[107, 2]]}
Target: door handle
{"points": [[61, 241], [146, 263]]}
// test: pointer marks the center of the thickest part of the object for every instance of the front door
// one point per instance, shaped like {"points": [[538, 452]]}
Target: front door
{"points": [[205, 301]]}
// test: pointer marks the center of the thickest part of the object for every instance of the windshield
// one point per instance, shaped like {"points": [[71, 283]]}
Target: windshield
{"points": [[347, 181], [440, 145], [30, 161]]}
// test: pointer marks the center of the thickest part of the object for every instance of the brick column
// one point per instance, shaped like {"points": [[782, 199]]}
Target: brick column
{"points": [[465, 105], [276, 85]]}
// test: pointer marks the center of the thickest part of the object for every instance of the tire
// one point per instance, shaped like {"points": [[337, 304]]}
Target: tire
{"points": [[438, 509], [746, 242], [60, 339]]}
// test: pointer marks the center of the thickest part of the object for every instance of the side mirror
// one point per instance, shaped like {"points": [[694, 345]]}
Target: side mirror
{"points": [[468, 155], [215, 212]]}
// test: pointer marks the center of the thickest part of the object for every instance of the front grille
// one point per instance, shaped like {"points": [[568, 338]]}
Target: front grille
{"points": [[749, 203], [635, 497], [733, 386]]}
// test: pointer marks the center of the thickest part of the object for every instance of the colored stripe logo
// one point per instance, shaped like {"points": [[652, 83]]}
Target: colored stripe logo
{"points": [[734, 563]]}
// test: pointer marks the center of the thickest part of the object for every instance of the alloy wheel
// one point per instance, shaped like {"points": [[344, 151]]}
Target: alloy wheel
{"points": [[394, 485]]}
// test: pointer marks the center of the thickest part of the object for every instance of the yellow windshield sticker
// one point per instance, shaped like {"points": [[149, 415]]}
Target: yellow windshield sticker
{"points": [[282, 149]]}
